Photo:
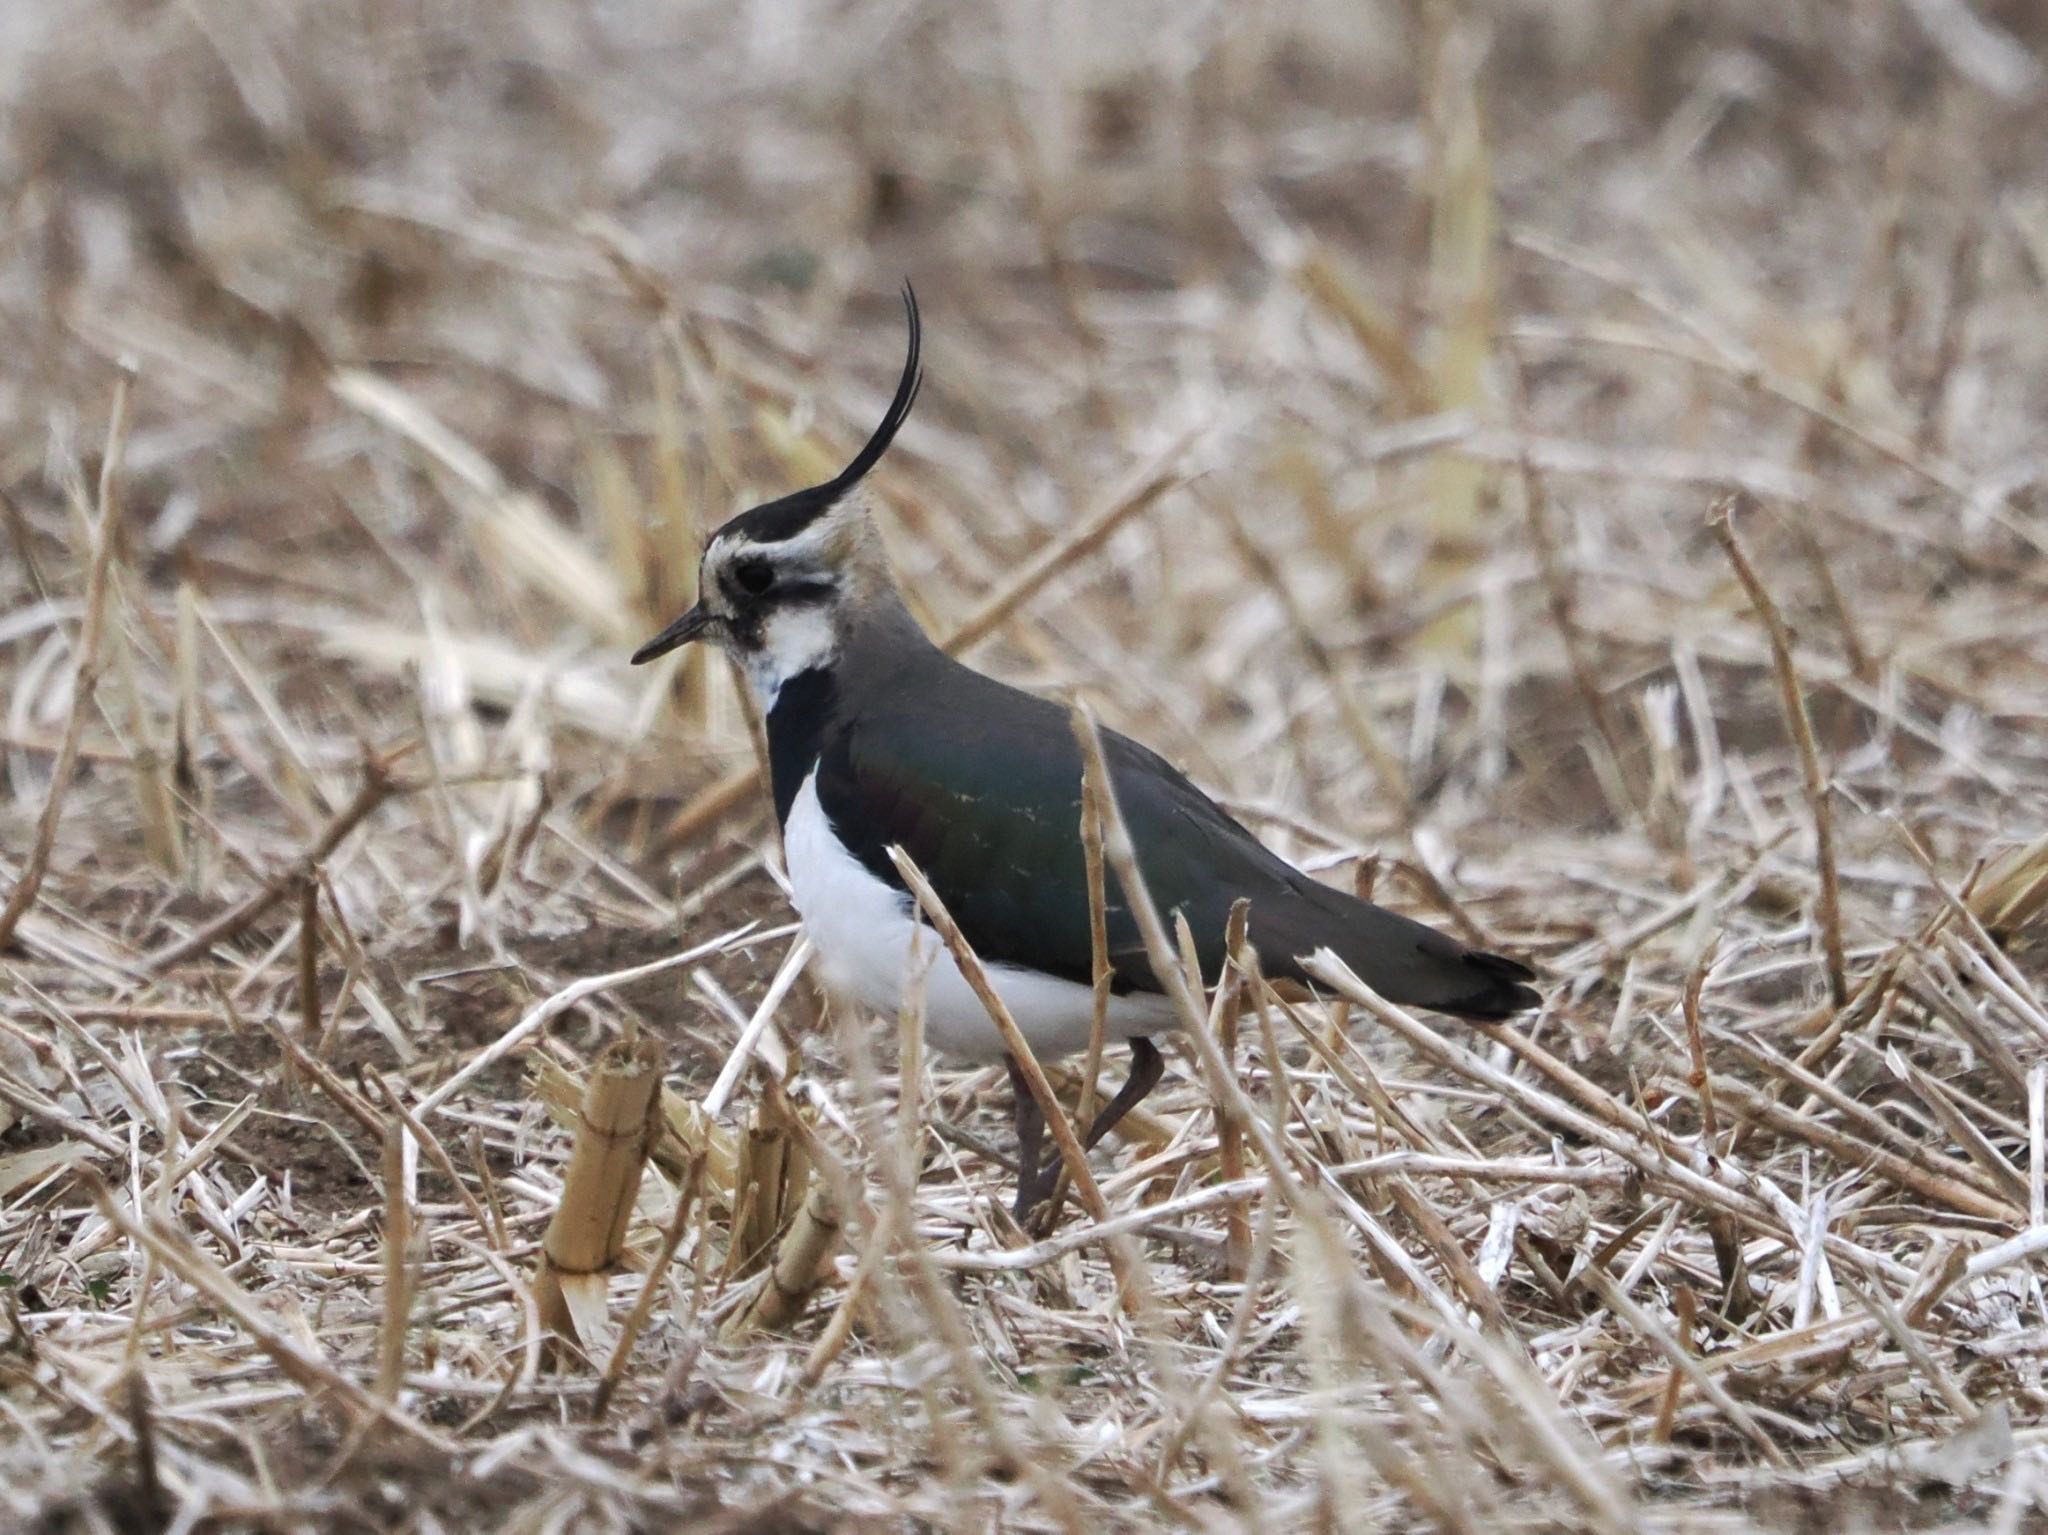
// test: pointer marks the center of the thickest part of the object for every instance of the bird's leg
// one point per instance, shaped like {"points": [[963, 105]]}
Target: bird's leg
{"points": [[1030, 1141], [1036, 1181], [1147, 1067]]}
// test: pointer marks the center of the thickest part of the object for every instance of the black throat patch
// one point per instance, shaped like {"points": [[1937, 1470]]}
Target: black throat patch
{"points": [[796, 732]]}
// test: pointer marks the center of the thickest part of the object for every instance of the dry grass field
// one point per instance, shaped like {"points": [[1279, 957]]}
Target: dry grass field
{"points": [[1575, 467]]}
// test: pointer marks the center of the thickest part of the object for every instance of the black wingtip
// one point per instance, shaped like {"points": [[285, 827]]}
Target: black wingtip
{"points": [[1497, 1004], [1504, 994]]}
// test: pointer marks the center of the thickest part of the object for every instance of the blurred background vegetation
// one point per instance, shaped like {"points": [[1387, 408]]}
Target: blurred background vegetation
{"points": [[1359, 377]]}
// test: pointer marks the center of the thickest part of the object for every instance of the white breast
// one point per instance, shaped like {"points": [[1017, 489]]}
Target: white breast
{"points": [[861, 928]]}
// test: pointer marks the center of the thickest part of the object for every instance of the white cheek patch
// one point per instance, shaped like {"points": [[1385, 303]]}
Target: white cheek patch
{"points": [[793, 641]]}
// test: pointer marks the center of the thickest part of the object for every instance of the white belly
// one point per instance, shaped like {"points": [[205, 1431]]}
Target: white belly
{"points": [[861, 929]]}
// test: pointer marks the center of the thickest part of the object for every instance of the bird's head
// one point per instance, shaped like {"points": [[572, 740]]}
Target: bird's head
{"points": [[780, 584]]}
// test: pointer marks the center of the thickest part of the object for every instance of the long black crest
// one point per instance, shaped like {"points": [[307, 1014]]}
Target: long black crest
{"points": [[784, 519], [899, 408]]}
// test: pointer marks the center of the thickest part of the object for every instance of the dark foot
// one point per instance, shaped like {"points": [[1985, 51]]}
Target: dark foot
{"points": [[1034, 1193]]}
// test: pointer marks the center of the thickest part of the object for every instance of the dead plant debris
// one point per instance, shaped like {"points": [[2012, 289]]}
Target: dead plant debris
{"points": [[1337, 400]]}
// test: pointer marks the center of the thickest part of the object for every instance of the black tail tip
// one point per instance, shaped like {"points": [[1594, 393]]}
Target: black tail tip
{"points": [[1503, 994]]}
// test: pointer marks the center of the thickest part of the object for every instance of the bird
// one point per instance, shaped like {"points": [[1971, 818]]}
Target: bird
{"points": [[877, 738]]}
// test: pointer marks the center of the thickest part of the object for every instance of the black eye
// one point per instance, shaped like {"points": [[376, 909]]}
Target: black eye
{"points": [[753, 576]]}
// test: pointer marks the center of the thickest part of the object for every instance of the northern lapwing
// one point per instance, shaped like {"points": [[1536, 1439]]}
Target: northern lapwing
{"points": [[877, 737]]}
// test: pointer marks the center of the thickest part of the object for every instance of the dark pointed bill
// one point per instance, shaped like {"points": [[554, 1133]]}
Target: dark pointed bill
{"points": [[685, 629]]}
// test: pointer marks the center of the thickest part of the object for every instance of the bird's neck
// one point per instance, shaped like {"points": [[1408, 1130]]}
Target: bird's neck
{"points": [[797, 722], [877, 652]]}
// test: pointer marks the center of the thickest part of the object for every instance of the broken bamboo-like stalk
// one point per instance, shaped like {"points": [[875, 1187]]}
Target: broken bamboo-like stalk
{"points": [[800, 1263], [688, 1132], [774, 1172], [586, 1237]]}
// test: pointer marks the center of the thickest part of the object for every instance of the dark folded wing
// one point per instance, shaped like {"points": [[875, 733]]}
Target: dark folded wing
{"points": [[984, 793], [991, 815]]}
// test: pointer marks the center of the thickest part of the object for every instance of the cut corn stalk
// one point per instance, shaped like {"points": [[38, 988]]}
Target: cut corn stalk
{"points": [[586, 1237]]}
